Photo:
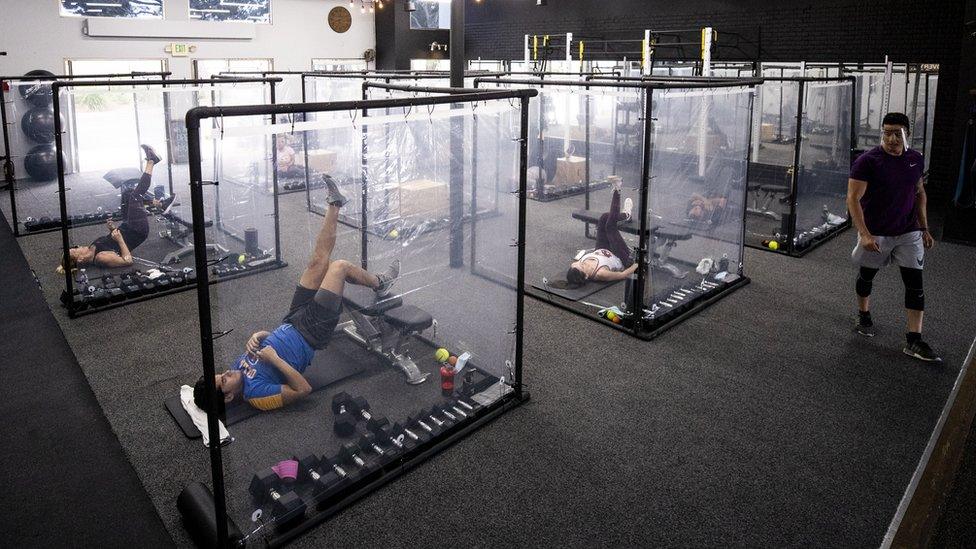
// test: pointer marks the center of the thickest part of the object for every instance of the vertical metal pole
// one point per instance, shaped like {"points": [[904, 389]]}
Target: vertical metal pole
{"points": [[586, 146], [794, 184], [456, 189], [62, 199], [364, 196], [206, 323], [474, 182], [743, 216], [274, 178], [637, 301], [169, 142], [308, 171], [520, 276], [8, 164], [540, 181]]}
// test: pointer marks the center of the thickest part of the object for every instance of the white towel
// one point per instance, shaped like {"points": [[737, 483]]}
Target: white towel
{"points": [[199, 417]]}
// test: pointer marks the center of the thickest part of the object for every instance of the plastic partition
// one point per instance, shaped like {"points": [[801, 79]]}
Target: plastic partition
{"points": [[109, 184], [383, 397]]}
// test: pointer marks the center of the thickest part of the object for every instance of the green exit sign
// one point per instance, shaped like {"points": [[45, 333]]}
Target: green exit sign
{"points": [[179, 50]]}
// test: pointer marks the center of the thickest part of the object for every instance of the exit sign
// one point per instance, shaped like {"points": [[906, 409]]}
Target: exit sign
{"points": [[179, 50]]}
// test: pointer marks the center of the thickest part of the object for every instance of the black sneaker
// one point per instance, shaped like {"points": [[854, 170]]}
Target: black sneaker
{"points": [[151, 155], [387, 279], [334, 198], [864, 326], [921, 351]]}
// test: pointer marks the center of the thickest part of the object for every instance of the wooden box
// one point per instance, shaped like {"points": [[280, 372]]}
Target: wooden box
{"points": [[425, 199], [569, 171], [319, 161], [767, 132]]}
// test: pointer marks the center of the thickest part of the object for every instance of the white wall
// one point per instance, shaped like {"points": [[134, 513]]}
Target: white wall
{"points": [[35, 36]]}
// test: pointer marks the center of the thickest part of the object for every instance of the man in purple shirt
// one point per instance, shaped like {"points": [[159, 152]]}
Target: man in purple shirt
{"points": [[886, 199]]}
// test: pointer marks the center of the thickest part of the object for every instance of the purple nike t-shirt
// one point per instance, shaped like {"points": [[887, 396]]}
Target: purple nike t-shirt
{"points": [[889, 202]]}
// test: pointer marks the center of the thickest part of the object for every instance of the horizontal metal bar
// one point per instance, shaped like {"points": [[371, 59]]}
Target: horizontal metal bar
{"points": [[194, 115], [80, 76], [648, 83], [190, 82]]}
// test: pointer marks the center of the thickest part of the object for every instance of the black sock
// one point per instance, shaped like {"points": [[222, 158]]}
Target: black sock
{"points": [[912, 337], [865, 314]]}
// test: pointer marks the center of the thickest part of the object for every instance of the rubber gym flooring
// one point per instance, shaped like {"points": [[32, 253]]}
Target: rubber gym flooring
{"points": [[763, 421]]}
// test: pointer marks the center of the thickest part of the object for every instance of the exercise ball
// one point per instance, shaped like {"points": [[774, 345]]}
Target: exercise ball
{"points": [[38, 124], [38, 93], [41, 163]]}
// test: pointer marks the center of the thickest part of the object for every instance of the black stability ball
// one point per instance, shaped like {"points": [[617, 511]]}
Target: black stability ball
{"points": [[39, 93], [41, 163], [38, 124]]}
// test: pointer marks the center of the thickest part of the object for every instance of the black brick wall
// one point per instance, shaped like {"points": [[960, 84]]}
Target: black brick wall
{"points": [[827, 31]]}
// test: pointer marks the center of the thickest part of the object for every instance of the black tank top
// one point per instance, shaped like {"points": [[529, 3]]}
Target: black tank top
{"points": [[106, 244]]}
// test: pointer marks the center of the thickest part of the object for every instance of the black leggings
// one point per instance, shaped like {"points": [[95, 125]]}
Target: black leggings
{"points": [[134, 216], [912, 278], [608, 236]]}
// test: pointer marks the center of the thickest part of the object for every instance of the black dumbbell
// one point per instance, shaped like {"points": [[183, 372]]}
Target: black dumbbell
{"points": [[426, 417], [445, 414], [350, 453], [343, 421], [324, 483], [369, 441], [347, 475], [394, 435], [469, 406], [421, 423], [287, 508], [456, 410], [358, 406]]}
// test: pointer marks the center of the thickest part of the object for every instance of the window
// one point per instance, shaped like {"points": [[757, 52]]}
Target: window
{"points": [[113, 66], [247, 11], [136, 9], [339, 65], [431, 15], [206, 68]]}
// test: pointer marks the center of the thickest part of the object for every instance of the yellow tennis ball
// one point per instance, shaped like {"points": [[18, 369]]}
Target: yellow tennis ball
{"points": [[611, 315], [394, 233], [441, 355], [773, 245], [241, 258]]}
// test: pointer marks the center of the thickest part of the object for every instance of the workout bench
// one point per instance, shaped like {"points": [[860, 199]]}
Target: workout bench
{"points": [[384, 326], [180, 232]]}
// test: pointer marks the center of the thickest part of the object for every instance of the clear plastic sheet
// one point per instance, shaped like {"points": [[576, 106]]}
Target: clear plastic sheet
{"points": [[797, 190], [380, 385], [109, 185], [696, 196]]}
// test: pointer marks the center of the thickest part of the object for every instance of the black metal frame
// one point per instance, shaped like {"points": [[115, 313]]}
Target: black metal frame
{"points": [[789, 247], [207, 333], [637, 327], [75, 309], [9, 172]]}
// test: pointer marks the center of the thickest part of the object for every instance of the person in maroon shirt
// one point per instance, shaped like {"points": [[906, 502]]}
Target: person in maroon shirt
{"points": [[887, 202]]}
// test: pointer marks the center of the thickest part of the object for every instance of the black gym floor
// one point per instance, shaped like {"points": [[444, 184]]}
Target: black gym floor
{"points": [[763, 421]]}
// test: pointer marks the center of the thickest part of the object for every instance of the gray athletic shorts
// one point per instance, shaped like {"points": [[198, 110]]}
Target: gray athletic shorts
{"points": [[904, 250]]}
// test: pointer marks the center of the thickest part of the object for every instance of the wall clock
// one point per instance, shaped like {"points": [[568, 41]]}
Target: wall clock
{"points": [[340, 19]]}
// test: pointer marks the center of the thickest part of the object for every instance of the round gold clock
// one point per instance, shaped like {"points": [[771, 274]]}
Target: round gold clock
{"points": [[340, 19]]}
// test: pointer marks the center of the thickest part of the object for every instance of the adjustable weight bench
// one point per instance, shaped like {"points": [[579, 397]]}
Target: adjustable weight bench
{"points": [[384, 326], [763, 195]]}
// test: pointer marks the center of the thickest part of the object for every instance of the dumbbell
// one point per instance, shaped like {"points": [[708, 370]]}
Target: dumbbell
{"points": [[410, 438], [448, 412], [347, 412], [286, 507], [351, 453], [456, 409], [347, 476], [421, 423], [439, 419], [323, 484], [369, 441], [380, 427]]}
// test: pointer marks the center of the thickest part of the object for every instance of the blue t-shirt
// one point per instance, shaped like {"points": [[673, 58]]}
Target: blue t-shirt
{"points": [[262, 381], [889, 202]]}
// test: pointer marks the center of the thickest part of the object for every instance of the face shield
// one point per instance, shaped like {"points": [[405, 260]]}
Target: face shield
{"points": [[895, 137]]}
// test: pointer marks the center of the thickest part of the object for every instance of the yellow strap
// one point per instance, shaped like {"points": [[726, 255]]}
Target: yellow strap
{"points": [[535, 47], [644, 53], [581, 51]]}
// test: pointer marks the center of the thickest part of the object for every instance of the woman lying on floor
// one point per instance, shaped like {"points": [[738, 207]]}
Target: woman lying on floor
{"points": [[610, 260], [115, 248]]}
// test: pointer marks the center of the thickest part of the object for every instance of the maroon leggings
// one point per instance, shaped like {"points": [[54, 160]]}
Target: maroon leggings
{"points": [[608, 236]]}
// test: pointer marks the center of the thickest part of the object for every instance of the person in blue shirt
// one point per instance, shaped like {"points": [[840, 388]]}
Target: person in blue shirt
{"points": [[269, 374]]}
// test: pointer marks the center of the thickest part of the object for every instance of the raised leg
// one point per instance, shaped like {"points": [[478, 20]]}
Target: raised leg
{"points": [[341, 271], [318, 263]]}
